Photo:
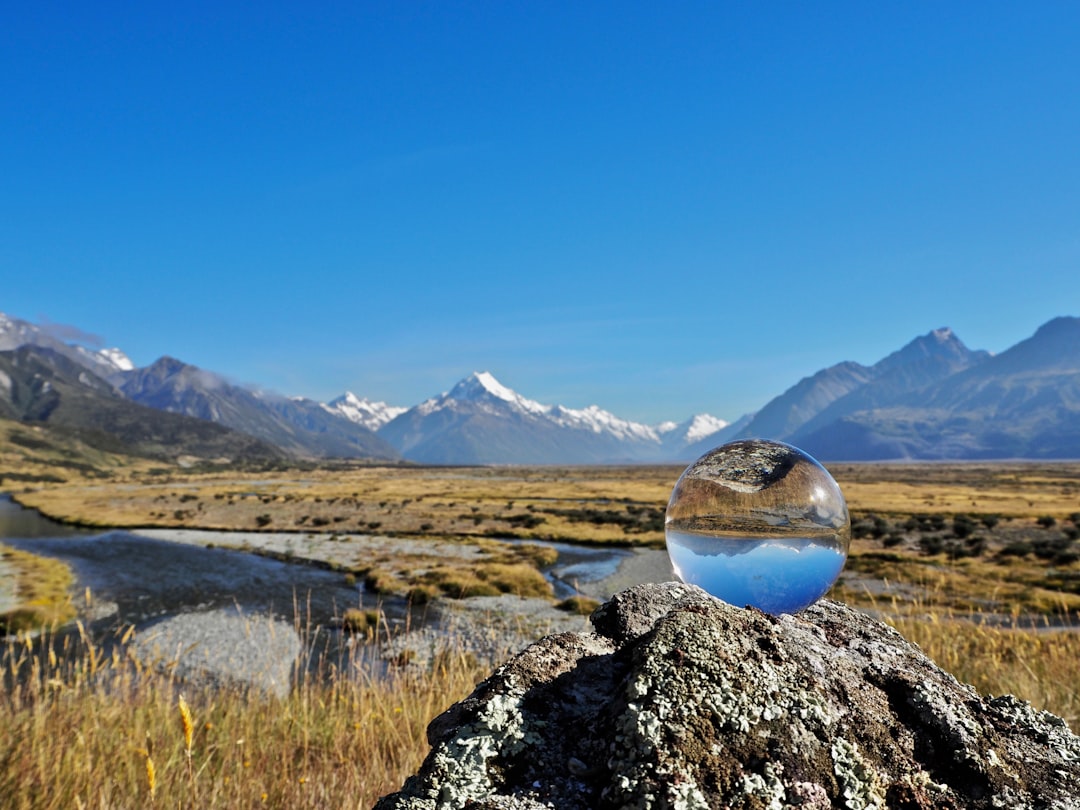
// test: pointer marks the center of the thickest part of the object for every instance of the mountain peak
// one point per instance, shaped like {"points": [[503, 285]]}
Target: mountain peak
{"points": [[363, 411], [480, 383], [942, 335], [940, 344], [1055, 345], [103, 362], [1065, 326], [118, 358]]}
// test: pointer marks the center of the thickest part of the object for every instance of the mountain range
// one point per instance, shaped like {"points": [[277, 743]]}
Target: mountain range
{"points": [[41, 386], [934, 398]]}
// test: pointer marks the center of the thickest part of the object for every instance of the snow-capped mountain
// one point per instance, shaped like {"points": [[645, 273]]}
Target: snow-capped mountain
{"points": [[693, 430], [299, 426], [103, 362], [362, 411], [481, 421]]}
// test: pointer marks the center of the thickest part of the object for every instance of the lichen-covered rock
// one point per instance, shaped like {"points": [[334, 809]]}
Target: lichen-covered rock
{"points": [[681, 701]]}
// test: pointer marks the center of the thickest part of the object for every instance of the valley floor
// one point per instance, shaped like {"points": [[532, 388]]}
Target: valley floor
{"points": [[991, 537]]}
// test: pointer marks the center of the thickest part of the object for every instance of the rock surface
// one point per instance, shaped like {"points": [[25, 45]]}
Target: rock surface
{"points": [[678, 700]]}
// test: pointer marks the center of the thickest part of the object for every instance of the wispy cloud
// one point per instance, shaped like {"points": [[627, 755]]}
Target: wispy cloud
{"points": [[68, 333]]}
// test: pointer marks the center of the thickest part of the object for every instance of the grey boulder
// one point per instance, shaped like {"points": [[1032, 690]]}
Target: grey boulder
{"points": [[678, 700]]}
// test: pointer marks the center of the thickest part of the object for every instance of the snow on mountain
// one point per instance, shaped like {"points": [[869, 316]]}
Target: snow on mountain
{"points": [[483, 392], [480, 420], [15, 332], [700, 426], [120, 360], [103, 362], [362, 411], [676, 437], [598, 420]]}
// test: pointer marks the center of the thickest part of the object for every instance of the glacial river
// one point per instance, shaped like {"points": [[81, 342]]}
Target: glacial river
{"points": [[134, 578]]}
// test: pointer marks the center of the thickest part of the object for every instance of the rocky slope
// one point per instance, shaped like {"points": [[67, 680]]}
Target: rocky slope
{"points": [[300, 427], [678, 700], [44, 388]]}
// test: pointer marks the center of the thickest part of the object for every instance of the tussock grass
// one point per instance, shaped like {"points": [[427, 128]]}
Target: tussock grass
{"points": [[42, 588], [489, 579], [1039, 663], [83, 724], [618, 505]]}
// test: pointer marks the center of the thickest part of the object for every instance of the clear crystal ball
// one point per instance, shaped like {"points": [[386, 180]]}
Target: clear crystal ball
{"points": [[758, 523]]}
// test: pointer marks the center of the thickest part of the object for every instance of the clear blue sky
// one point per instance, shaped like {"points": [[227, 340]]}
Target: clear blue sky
{"points": [[658, 208]]}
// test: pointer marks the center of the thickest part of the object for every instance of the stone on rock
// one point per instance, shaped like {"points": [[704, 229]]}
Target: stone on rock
{"points": [[679, 700]]}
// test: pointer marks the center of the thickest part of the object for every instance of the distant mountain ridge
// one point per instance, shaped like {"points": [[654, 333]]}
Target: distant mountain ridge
{"points": [[41, 386], [481, 421], [934, 398], [362, 411], [15, 333], [301, 427], [938, 400]]}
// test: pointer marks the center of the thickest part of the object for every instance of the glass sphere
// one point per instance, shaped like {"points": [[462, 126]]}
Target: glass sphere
{"points": [[758, 523]]}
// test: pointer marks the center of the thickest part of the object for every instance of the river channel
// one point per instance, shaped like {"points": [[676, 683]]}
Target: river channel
{"points": [[134, 577]]}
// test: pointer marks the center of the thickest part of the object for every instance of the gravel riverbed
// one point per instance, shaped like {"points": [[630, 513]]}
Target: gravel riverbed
{"points": [[209, 609]]}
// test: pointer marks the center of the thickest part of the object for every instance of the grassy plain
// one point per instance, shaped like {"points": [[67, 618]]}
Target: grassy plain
{"points": [[87, 726], [939, 550], [991, 537]]}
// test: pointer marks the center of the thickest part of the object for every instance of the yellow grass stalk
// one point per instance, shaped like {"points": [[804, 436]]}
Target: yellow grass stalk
{"points": [[186, 723], [151, 776]]}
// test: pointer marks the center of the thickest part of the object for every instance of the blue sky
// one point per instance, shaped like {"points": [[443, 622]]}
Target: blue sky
{"points": [[662, 209]]}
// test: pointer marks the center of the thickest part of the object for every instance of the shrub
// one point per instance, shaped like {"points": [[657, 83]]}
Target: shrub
{"points": [[356, 620], [422, 594], [931, 544], [378, 580], [519, 579], [963, 526], [1018, 548], [581, 605]]}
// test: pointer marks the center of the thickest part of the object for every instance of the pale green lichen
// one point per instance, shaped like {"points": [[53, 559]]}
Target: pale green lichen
{"points": [[499, 730], [859, 784], [768, 788], [719, 687], [685, 795]]}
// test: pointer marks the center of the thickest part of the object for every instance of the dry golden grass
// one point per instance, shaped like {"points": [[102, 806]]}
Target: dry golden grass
{"points": [[31, 455], [474, 501], [83, 727], [529, 502], [969, 585], [1013, 489], [1039, 663], [43, 589], [87, 726]]}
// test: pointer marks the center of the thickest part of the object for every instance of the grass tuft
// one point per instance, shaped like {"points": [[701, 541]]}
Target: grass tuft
{"points": [[84, 724]]}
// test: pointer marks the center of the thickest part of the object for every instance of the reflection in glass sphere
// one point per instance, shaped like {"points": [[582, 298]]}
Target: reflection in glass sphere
{"points": [[759, 523]]}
